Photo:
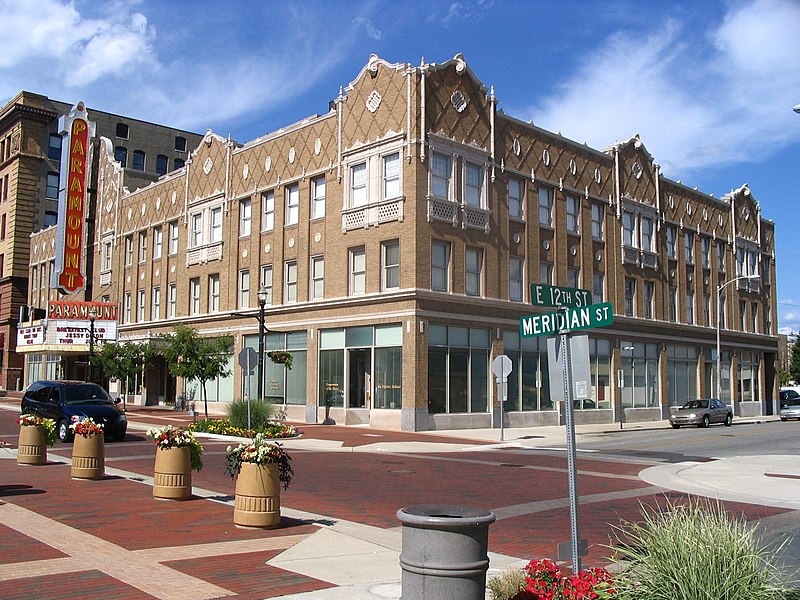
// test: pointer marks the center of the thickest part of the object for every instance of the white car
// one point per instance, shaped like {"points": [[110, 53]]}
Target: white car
{"points": [[790, 409]]}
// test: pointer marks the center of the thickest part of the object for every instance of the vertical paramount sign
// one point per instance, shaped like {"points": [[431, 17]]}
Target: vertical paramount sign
{"points": [[68, 274]]}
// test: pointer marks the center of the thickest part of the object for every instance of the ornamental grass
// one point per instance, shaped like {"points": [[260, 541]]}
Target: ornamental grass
{"points": [[693, 551]]}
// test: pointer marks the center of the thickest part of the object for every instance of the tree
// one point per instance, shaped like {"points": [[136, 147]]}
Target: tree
{"points": [[196, 358], [794, 361], [123, 361]]}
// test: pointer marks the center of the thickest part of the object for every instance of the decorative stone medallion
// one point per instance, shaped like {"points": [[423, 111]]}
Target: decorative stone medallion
{"points": [[373, 101], [458, 101], [292, 155], [208, 165]]}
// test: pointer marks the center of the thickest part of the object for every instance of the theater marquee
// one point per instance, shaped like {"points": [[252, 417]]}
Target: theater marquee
{"points": [[68, 275]]}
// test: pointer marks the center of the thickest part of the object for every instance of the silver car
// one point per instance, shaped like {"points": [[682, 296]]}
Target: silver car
{"points": [[702, 413], [790, 409]]}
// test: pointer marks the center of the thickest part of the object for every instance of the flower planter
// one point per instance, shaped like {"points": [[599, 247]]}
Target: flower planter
{"points": [[172, 477], [258, 496], [32, 448], [88, 457]]}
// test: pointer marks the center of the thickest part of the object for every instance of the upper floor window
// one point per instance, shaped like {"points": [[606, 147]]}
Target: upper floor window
{"points": [[292, 204], [765, 270], [516, 190], [142, 246], [158, 242], [245, 217], [440, 266], [162, 164], [50, 218], [155, 304], [391, 176], [474, 272], [688, 246], [122, 131], [629, 234], [754, 317], [138, 160], [141, 305], [473, 185], [180, 143], [196, 229], [705, 249], [546, 273], [172, 301], [598, 218], [690, 307], [317, 287], [126, 308], [128, 250], [51, 191], [648, 241], [574, 278], [106, 255], [54, 147], [194, 296], [215, 233], [121, 155], [672, 236], [441, 174], [358, 184], [290, 282], [318, 197], [720, 256], [358, 271], [244, 288], [390, 258], [598, 287], [178, 163], [648, 291], [573, 213], [516, 278], [673, 303], [546, 206], [268, 211], [742, 315], [173, 237], [265, 281], [630, 296]]}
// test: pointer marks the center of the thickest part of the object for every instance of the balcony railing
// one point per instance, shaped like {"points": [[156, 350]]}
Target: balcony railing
{"points": [[204, 254], [373, 214]]}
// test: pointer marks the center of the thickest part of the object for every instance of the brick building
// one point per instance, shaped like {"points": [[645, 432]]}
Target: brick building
{"points": [[394, 239], [30, 157]]}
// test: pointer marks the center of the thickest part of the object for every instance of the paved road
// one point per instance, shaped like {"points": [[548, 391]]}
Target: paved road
{"points": [[339, 537]]}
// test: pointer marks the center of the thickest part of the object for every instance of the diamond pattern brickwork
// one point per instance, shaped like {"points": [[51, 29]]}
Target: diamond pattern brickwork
{"points": [[472, 125]]}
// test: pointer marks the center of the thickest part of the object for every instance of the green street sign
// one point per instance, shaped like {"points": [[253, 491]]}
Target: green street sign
{"points": [[554, 296], [573, 319]]}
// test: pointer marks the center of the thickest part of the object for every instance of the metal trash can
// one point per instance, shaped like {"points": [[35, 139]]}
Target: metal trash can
{"points": [[444, 552]]}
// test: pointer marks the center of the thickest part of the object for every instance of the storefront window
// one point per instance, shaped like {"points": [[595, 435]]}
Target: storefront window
{"points": [[748, 377], [281, 385], [458, 369], [640, 375], [681, 374]]}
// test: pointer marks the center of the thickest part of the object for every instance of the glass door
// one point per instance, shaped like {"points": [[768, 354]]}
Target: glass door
{"points": [[359, 378]]}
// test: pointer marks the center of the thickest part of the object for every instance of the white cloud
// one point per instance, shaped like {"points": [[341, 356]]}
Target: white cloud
{"points": [[372, 32], [696, 101]]}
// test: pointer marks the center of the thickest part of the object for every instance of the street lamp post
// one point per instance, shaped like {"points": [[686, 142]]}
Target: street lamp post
{"points": [[262, 302], [720, 289], [92, 316]]}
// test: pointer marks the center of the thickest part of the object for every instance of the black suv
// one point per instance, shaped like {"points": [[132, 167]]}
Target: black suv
{"points": [[68, 401]]}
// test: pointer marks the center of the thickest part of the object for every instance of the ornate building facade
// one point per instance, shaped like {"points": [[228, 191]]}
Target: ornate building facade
{"points": [[394, 239]]}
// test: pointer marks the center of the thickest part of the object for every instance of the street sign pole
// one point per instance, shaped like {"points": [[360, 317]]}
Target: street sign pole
{"points": [[501, 367], [571, 458]]}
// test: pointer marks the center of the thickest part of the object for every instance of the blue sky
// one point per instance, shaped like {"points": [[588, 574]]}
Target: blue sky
{"points": [[709, 86]]}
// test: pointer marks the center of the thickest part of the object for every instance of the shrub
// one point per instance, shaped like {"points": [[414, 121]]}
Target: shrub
{"points": [[260, 414], [274, 429], [507, 584], [692, 551]]}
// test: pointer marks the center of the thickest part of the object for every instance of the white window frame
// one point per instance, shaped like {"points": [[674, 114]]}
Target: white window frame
{"points": [[196, 230], [265, 281], [155, 303], [194, 296], [142, 246], [598, 221], [244, 288], [390, 270], [441, 176], [318, 197], [268, 211], [292, 199], [598, 281], [473, 271], [515, 188], [126, 307], [245, 217], [290, 282], [173, 238], [359, 195], [474, 195], [690, 309], [630, 299], [158, 242], [671, 235], [213, 292], [357, 268], [546, 272], [107, 257], [128, 250], [392, 187], [688, 247], [443, 269], [545, 195], [648, 295], [574, 277], [316, 278], [141, 305], [516, 279], [172, 300], [215, 225], [647, 227], [573, 213]]}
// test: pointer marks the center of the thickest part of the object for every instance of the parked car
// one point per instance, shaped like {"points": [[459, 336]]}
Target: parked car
{"points": [[702, 413], [786, 396], [790, 409], [68, 401]]}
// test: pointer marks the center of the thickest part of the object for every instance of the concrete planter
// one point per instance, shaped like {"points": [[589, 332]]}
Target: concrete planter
{"points": [[444, 553], [32, 448], [88, 457], [258, 496], [172, 475]]}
